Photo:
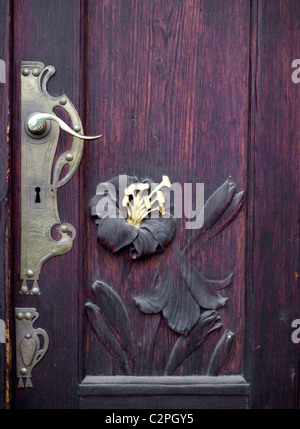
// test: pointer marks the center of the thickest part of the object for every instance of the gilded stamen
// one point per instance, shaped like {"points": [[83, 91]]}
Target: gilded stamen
{"points": [[139, 206]]}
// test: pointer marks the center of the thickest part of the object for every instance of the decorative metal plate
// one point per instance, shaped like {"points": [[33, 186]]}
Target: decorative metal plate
{"points": [[40, 179], [28, 346]]}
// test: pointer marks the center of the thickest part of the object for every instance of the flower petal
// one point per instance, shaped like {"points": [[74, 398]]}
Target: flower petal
{"points": [[114, 234], [103, 206], [111, 188], [154, 300], [171, 296], [163, 229], [213, 209], [106, 200], [202, 291], [144, 244], [227, 217], [218, 202], [181, 312]]}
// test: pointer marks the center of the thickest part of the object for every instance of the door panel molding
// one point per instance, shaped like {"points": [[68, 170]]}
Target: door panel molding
{"points": [[179, 113], [164, 392]]}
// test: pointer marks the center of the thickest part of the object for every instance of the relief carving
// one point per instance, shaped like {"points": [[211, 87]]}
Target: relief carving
{"points": [[122, 216], [187, 300]]}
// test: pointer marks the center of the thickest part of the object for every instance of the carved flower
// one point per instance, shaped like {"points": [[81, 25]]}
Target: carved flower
{"points": [[186, 298], [129, 223], [179, 291]]}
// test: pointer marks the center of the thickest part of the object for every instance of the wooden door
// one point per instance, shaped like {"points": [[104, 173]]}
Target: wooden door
{"points": [[199, 91]]}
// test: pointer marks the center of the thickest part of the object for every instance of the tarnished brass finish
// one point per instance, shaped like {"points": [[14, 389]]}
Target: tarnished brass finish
{"points": [[37, 125], [2, 331], [28, 346], [40, 179]]}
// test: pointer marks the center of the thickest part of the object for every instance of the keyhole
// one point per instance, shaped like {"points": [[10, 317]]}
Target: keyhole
{"points": [[37, 195]]}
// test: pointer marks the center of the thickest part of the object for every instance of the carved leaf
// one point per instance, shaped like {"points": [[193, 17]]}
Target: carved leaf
{"points": [[105, 335], [184, 346], [228, 216], [115, 315], [217, 284], [221, 354]]}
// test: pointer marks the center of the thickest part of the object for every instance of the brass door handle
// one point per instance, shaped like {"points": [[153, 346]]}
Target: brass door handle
{"points": [[41, 171], [36, 124]]}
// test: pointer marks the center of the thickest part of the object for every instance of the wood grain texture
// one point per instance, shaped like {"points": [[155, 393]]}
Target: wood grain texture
{"points": [[51, 32], [5, 37], [167, 84], [275, 191], [196, 89]]}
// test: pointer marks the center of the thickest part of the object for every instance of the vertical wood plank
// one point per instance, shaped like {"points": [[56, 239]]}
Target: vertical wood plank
{"points": [[51, 32], [276, 192], [4, 194], [167, 84]]}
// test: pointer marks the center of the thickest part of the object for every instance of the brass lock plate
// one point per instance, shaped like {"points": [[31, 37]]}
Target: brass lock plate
{"points": [[40, 178], [29, 350]]}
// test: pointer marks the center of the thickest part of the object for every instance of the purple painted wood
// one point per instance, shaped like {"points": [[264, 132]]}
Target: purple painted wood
{"points": [[167, 84], [199, 90], [275, 192]]}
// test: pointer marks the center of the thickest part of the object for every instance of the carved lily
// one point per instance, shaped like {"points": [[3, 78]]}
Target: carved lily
{"points": [[132, 225], [179, 291]]}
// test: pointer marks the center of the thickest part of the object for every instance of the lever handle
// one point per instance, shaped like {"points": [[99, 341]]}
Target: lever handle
{"points": [[37, 124], [40, 353], [42, 168]]}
